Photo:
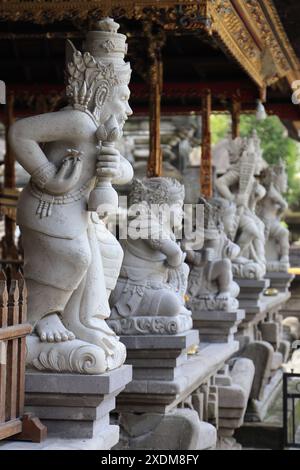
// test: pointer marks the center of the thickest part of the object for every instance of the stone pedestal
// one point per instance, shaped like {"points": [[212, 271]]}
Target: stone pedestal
{"points": [[75, 408], [169, 376], [217, 326], [250, 297], [280, 280], [159, 365]]}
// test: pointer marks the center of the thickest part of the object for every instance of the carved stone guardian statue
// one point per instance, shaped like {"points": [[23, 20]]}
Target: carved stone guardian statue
{"points": [[71, 260], [240, 186], [210, 284], [270, 210], [149, 295]]}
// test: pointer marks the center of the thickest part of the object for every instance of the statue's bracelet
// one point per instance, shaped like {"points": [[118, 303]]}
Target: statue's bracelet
{"points": [[43, 174]]}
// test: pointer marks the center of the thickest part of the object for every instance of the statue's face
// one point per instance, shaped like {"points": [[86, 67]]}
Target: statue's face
{"points": [[117, 105]]}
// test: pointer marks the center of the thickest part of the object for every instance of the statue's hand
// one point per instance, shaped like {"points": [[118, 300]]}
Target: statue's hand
{"points": [[241, 200], [66, 177], [176, 260], [208, 254], [108, 163]]}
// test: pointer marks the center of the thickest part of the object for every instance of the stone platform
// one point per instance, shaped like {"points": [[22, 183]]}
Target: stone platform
{"points": [[217, 326], [75, 408], [280, 280], [250, 297], [267, 306], [172, 400]]}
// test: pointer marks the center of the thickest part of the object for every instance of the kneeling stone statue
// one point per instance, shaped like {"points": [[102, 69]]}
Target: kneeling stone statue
{"points": [[149, 297], [210, 283]]}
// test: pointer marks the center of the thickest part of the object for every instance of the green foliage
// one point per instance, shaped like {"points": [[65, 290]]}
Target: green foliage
{"points": [[220, 127], [275, 143]]}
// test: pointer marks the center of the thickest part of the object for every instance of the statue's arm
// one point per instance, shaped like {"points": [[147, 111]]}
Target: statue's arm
{"points": [[170, 248], [277, 198], [126, 172], [26, 134], [224, 183]]}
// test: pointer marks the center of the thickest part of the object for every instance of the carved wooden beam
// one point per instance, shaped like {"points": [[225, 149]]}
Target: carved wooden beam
{"points": [[155, 43], [251, 31], [253, 34], [206, 166], [235, 116]]}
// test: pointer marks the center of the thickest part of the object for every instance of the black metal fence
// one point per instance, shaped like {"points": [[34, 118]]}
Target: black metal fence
{"points": [[291, 410]]}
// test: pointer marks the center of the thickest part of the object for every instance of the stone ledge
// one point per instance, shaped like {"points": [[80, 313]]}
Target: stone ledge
{"points": [[219, 315], [180, 341], [107, 439], [109, 382], [139, 394]]}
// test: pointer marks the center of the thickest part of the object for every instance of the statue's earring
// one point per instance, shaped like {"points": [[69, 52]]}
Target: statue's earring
{"points": [[100, 97]]}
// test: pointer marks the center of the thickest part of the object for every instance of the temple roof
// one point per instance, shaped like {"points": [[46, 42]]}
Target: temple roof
{"points": [[234, 47]]}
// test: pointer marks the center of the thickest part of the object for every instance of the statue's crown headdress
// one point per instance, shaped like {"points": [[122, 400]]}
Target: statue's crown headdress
{"points": [[235, 149], [109, 47], [210, 219], [156, 191], [101, 61]]}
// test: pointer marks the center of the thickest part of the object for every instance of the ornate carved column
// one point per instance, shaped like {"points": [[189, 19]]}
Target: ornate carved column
{"points": [[155, 77], [9, 249], [206, 166], [235, 116]]}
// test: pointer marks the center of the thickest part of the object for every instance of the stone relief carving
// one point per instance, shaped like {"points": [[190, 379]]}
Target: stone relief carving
{"points": [[270, 210], [240, 186], [149, 295], [71, 260], [210, 284]]}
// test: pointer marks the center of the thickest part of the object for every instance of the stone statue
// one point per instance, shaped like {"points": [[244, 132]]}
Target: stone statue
{"points": [[149, 295], [71, 261], [270, 210], [240, 186], [210, 284]]}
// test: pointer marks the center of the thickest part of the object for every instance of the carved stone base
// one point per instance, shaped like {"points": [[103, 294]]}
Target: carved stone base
{"points": [[277, 267], [248, 271], [217, 326], [151, 325], [75, 408], [169, 375], [71, 356], [250, 298], [280, 280], [212, 302]]}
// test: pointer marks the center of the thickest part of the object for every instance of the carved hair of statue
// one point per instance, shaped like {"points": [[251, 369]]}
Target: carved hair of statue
{"points": [[158, 190], [92, 75], [211, 218], [252, 146], [220, 207]]}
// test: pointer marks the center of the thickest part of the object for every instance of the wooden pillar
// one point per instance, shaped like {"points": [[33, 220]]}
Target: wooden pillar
{"points": [[155, 80], [206, 164], [9, 249], [235, 117]]}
